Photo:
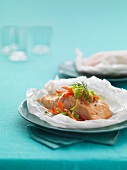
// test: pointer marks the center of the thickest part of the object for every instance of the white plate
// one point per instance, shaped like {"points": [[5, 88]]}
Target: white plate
{"points": [[68, 69], [23, 110]]}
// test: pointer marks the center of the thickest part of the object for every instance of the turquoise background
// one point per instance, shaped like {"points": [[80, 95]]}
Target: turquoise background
{"points": [[89, 25]]}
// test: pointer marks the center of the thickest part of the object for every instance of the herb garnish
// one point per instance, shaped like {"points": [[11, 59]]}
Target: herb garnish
{"points": [[81, 90]]}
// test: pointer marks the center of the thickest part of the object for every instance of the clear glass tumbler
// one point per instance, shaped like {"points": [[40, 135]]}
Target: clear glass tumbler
{"points": [[41, 39], [21, 53], [14, 42], [9, 39]]}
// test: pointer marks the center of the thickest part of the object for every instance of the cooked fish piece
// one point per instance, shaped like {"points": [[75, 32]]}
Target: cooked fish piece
{"points": [[49, 100], [92, 111]]}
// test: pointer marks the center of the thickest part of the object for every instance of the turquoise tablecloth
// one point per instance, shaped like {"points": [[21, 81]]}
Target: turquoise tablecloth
{"points": [[90, 25]]}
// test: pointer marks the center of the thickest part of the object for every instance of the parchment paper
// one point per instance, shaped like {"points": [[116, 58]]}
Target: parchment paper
{"points": [[116, 99], [103, 63]]}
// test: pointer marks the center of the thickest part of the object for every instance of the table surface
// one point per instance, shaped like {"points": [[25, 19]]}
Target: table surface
{"points": [[89, 25]]}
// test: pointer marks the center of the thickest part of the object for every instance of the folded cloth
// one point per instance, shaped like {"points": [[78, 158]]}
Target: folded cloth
{"points": [[55, 139]]}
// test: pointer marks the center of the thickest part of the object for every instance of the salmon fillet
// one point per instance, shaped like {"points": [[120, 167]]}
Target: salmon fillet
{"points": [[49, 100], [92, 111]]}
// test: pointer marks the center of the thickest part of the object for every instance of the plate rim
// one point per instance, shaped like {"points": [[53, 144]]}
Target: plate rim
{"points": [[80, 74], [91, 130]]}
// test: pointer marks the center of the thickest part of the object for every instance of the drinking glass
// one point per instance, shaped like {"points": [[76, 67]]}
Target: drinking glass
{"points": [[14, 43], [40, 38], [21, 53], [8, 39]]}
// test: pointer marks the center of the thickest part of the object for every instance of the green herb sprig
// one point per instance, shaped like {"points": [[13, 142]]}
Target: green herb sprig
{"points": [[80, 89]]}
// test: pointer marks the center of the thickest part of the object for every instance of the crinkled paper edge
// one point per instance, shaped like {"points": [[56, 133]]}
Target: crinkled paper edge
{"points": [[100, 69], [114, 97]]}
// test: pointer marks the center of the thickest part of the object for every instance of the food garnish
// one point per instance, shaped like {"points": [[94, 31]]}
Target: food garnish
{"points": [[80, 92]]}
